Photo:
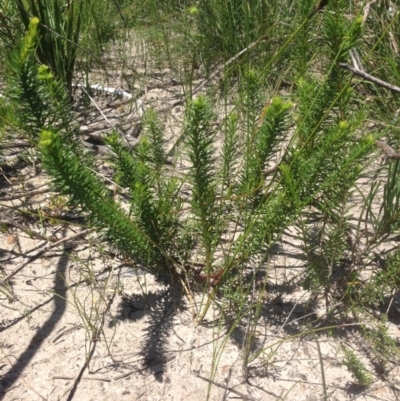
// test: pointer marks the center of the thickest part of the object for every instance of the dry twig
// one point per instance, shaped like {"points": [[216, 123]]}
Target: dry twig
{"points": [[31, 233], [367, 9], [25, 194], [371, 78], [390, 152], [82, 378], [358, 69]]}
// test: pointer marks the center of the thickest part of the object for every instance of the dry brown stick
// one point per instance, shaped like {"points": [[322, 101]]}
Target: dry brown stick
{"points": [[31, 233], [390, 152], [25, 194], [367, 9], [15, 145], [41, 252], [371, 78], [82, 378], [358, 70]]}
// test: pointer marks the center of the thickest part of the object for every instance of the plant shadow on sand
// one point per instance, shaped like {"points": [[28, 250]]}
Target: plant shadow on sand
{"points": [[159, 308], [24, 359]]}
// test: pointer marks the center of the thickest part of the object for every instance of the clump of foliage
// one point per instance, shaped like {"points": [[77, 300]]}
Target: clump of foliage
{"points": [[357, 369], [288, 159]]}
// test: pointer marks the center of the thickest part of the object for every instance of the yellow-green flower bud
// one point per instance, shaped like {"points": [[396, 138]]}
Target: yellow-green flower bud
{"points": [[44, 73], [193, 10], [30, 38], [47, 137]]}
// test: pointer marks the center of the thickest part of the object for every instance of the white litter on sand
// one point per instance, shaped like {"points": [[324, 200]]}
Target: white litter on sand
{"points": [[116, 92], [112, 91]]}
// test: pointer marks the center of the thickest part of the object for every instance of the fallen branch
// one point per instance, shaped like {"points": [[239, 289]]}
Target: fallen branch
{"points": [[15, 144], [390, 152], [367, 9], [371, 78], [82, 378], [358, 69], [25, 194], [31, 233]]}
